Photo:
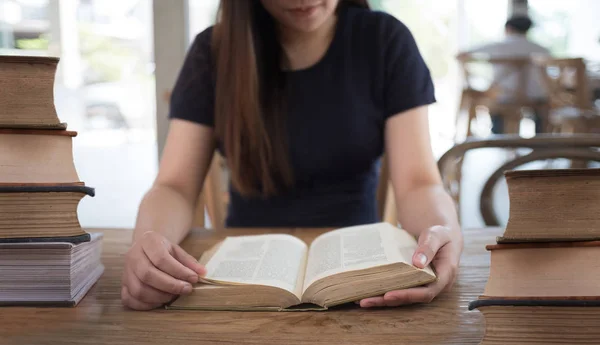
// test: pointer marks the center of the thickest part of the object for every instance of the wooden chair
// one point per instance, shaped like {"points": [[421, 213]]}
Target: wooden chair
{"points": [[543, 147], [571, 109], [215, 197], [515, 100]]}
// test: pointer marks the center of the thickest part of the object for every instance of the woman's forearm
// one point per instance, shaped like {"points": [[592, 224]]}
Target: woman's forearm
{"points": [[426, 206], [166, 211]]}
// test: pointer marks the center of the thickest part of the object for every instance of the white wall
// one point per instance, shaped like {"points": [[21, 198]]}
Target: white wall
{"points": [[171, 44]]}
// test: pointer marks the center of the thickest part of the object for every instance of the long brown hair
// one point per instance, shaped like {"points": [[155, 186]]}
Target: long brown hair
{"points": [[250, 97]]}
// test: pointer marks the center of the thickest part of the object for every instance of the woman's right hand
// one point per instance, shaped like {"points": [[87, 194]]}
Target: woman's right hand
{"points": [[156, 271]]}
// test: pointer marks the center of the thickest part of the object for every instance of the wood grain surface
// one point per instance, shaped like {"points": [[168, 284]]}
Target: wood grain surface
{"points": [[101, 319]]}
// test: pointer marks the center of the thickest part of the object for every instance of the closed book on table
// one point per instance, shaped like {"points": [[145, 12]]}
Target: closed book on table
{"points": [[544, 282], [49, 273], [37, 156], [560, 270], [553, 205], [539, 322], [542, 293], [27, 92], [38, 212]]}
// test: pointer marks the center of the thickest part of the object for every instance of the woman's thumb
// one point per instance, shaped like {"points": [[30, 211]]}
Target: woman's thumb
{"points": [[430, 241]]}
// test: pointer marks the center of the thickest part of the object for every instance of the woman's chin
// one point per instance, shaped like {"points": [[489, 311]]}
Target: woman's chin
{"points": [[306, 26]]}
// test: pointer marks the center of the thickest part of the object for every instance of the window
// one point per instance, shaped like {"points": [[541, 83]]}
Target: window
{"points": [[567, 28], [441, 29], [104, 90], [202, 14]]}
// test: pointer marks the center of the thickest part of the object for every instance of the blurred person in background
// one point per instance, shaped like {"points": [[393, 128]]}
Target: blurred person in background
{"points": [[515, 45]]}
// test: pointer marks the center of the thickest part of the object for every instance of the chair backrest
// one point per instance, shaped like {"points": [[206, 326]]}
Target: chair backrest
{"points": [[566, 82], [507, 78], [215, 196], [543, 147]]}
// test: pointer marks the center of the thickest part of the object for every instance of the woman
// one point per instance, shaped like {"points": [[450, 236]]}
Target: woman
{"points": [[302, 97]]}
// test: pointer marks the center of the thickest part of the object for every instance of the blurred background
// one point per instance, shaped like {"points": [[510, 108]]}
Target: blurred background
{"points": [[119, 59]]}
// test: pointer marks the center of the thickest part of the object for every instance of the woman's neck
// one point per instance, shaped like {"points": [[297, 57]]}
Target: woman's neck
{"points": [[305, 49]]}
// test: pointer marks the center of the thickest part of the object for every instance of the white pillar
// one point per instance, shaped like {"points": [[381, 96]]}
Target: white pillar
{"points": [[54, 45], [64, 42], [170, 46], [518, 7], [463, 28]]}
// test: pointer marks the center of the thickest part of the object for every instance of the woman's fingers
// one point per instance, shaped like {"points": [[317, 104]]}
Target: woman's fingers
{"points": [[401, 297], [152, 276], [372, 302], [145, 293], [130, 302], [446, 266], [159, 252], [188, 261]]}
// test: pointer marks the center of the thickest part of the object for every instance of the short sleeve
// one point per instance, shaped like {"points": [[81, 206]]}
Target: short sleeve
{"points": [[192, 98], [408, 82]]}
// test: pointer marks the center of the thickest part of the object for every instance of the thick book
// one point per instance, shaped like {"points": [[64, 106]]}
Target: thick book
{"points": [[27, 92], [553, 205], [42, 212], [50, 273], [539, 322], [282, 273], [552, 271], [37, 156]]}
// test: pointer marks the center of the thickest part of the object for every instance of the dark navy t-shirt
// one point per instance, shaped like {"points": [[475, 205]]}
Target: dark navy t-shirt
{"points": [[337, 110]]}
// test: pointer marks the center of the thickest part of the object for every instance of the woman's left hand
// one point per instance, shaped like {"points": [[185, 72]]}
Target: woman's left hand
{"points": [[438, 245]]}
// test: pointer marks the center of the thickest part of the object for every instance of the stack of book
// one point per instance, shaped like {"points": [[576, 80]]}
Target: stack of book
{"points": [[544, 283], [45, 255]]}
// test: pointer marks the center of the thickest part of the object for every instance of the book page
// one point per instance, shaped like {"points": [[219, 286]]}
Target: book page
{"points": [[356, 248], [273, 260]]}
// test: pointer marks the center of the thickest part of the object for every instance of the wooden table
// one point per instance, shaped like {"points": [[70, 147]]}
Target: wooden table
{"points": [[101, 319]]}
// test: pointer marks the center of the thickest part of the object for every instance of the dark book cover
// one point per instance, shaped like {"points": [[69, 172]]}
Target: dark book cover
{"points": [[69, 239], [59, 127], [536, 302], [538, 245], [41, 304], [55, 130], [47, 188]]}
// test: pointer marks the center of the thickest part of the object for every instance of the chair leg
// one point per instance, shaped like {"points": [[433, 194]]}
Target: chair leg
{"points": [[462, 108], [390, 214], [512, 125], [199, 215], [472, 117]]}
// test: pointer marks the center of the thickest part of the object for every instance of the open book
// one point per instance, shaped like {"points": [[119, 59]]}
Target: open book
{"points": [[280, 272]]}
